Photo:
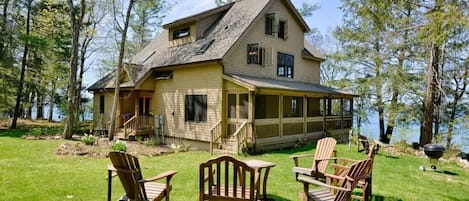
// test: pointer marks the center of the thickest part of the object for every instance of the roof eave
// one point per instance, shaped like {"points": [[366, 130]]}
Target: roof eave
{"points": [[312, 57], [298, 16], [198, 16]]}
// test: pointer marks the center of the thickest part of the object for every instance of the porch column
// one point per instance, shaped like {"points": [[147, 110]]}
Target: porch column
{"points": [[305, 115], [280, 115], [251, 110], [137, 109], [324, 114], [351, 112], [341, 113]]}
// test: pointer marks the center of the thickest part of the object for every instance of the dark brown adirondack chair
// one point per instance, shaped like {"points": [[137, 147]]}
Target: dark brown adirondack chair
{"points": [[137, 188], [341, 168], [226, 178], [354, 174], [320, 159]]}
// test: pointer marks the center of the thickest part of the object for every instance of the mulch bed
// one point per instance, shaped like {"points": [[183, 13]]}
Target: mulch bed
{"points": [[103, 147]]}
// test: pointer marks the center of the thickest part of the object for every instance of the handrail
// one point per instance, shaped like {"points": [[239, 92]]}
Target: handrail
{"points": [[128, 121], [215, 134], [239, 129], [129, 124], [242, 135]]}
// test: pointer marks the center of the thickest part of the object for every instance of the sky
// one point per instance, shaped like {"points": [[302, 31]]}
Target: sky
{"points": [[325, 18]]}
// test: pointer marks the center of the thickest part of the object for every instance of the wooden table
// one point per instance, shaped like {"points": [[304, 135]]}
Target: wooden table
{"points": [[259, 165]]}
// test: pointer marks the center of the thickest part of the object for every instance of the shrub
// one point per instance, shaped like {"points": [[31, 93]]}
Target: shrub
{"points": [[36, 132], [119, 146], [88, 139], [152, 142]]}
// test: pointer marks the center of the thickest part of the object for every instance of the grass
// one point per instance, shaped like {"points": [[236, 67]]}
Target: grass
{"points": [[30, 170]]}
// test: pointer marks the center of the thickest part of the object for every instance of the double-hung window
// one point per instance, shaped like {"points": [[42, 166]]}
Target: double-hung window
{"points": [[254, 54], [195, 109], [285, 64]]}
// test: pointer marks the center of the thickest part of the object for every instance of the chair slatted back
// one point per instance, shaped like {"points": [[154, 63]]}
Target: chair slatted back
{"points": [[356, 172], [324, 149], [226, 178], [128, 170]]}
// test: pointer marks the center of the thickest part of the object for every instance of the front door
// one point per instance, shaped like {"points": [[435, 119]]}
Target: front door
{"points": [[238, 111], [144, 106]]}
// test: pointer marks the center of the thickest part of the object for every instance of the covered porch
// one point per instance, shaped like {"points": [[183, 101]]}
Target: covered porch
{"points": [[266, 114], [135, 117]]}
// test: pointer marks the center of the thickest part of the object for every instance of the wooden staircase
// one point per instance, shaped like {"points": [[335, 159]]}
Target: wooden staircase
{"points": [[239, 142]]}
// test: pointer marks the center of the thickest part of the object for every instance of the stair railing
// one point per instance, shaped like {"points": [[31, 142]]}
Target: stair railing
{"points": [[215, 135], [130, 125], [243, 136]]}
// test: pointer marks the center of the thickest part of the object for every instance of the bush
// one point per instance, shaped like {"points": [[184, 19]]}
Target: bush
{"points": [[36, 132], [152, 142], [88, 139], [119, 146]]}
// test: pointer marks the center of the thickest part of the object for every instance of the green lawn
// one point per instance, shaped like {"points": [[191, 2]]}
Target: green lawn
{"points": [[30, 170]]}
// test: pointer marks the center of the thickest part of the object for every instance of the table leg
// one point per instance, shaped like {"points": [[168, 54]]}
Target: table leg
{"points": [[109, 184], [264, 185]]}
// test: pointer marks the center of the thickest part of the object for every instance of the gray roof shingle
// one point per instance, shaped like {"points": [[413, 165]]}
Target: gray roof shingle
{"points": [[236, 18], [259, 82]]}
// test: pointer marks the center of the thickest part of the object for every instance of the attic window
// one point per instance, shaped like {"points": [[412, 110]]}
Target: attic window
{"points": [[255, 54], [181, 33], [163, 75], [269, 22], [276, 27]]}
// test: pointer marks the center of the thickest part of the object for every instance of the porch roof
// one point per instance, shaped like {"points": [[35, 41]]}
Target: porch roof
{"points": [[256, 83]]}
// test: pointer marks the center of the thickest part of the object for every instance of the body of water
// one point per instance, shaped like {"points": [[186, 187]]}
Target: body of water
{"points": [[409, 134]]}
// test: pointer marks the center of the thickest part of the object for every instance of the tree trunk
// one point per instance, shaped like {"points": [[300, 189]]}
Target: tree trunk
{"points": [[72, 99], [393, 111], [51, 101], [2, 28], [40, 107], [430, 95], [120, 67], [19, 92], [29, 113]]}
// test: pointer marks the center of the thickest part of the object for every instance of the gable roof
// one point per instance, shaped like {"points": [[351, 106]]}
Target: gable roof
{"points": [[235, 19]]}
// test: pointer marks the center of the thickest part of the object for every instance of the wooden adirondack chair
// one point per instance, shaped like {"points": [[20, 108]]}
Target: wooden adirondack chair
{"points": [[341, 168], [137, 188], [324, 151], [354, 174], [226, 178]]}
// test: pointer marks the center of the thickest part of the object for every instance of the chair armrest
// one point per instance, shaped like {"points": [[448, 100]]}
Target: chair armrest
{"points": [[339, 166], [295, 158], [167, 174], [309, 180], [301, 155], [334, 177], [347, 160], [111, 168]]}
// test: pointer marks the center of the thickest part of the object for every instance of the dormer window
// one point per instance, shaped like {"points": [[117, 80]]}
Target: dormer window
{"points": [[255, 54], [181, 33]]}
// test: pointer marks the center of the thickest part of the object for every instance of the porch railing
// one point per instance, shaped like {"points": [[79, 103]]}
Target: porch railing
{"points": [[215, 135], [137, 122], [243, 136], [130, 125]]}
